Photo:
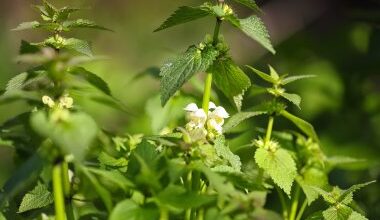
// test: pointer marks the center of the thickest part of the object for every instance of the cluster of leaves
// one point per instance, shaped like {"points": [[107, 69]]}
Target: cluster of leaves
{"points": [[103, 176]]}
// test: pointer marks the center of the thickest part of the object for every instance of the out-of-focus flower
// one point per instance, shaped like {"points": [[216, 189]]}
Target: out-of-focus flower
{"points": [[48, 101]]}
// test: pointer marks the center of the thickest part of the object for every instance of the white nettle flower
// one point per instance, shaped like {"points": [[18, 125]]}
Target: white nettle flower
{"points": [[64, 102], [48, 101], [201, 124], [196, 116]]}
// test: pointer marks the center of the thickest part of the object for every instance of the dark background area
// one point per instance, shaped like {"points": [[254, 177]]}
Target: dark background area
{"points": [[339, 41]]}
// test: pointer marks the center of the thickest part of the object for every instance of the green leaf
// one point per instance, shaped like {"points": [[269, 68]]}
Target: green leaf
{"points": [[91, 78], [102, 192], [78, 45], [37, 198], [239, 117], [337, 213], [250, 4], [64, 13], [27, 25], [26, 175], [73, 134], [303, 125], [229, 78], [294, 78], [178, 197], [293, 98], [83, 23], [176, 73], [108, 160], [347, 194], [273, 73], [312, 177], [114, 177], [255, 28], [129, 210], [26, 47], [356, 216], [185, 14], [279, 165], [224, 152], [263, 75]]}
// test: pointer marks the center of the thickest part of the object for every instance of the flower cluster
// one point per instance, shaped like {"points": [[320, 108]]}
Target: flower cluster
{"points": [[201, 125], [64, 102], [59, 108]]}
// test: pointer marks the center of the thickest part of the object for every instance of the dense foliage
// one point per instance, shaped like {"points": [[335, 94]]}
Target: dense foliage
{"points": [[71, 168]]}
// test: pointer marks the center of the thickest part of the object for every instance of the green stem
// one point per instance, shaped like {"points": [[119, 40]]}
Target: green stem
{"points": [[66, 180], [283, 204], [67, 190], [302, 209], [164, 213], [294, 206], [269, 130], [208, 80], [59, 201]]}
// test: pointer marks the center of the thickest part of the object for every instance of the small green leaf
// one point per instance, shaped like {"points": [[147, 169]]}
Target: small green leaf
{"points": [[83, 23], [129, 210], [239, 117], [26, 47], [229, 78], [78, 45], [22, 178], [108, 160], [102, 192], [250, 4], [312, 177], [255, 28], [113, 176], [37, 198], [337, 213], [177, 72], [27, 25], [91, 78], [279, 165], [290, 79], [356, 216], [64, 13], [303, 125], [178, 197], [185, 14], [293, 98], [224, 152], [348, 192], [73, 135], [273, 73], [263, 75]]}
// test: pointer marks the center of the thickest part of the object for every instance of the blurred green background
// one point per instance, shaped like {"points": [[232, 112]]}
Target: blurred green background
{"points": [[339, 41]]}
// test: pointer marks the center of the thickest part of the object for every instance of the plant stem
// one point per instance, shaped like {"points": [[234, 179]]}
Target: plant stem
{"points": [[294, 206], [59, 201], [302, 209], [66, 180], [164, 214], [269, 130], [283, 204], [208, 80]]}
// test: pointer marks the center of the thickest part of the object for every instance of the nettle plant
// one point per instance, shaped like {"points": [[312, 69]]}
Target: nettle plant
{"points": [[71, 168]]}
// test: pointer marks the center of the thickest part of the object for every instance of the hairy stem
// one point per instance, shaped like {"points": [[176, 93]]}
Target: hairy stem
{"points": [[283, 204], [302, 209], [208, 81], [269, 130], [294, 206], [67, 190], [59, 201]]}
